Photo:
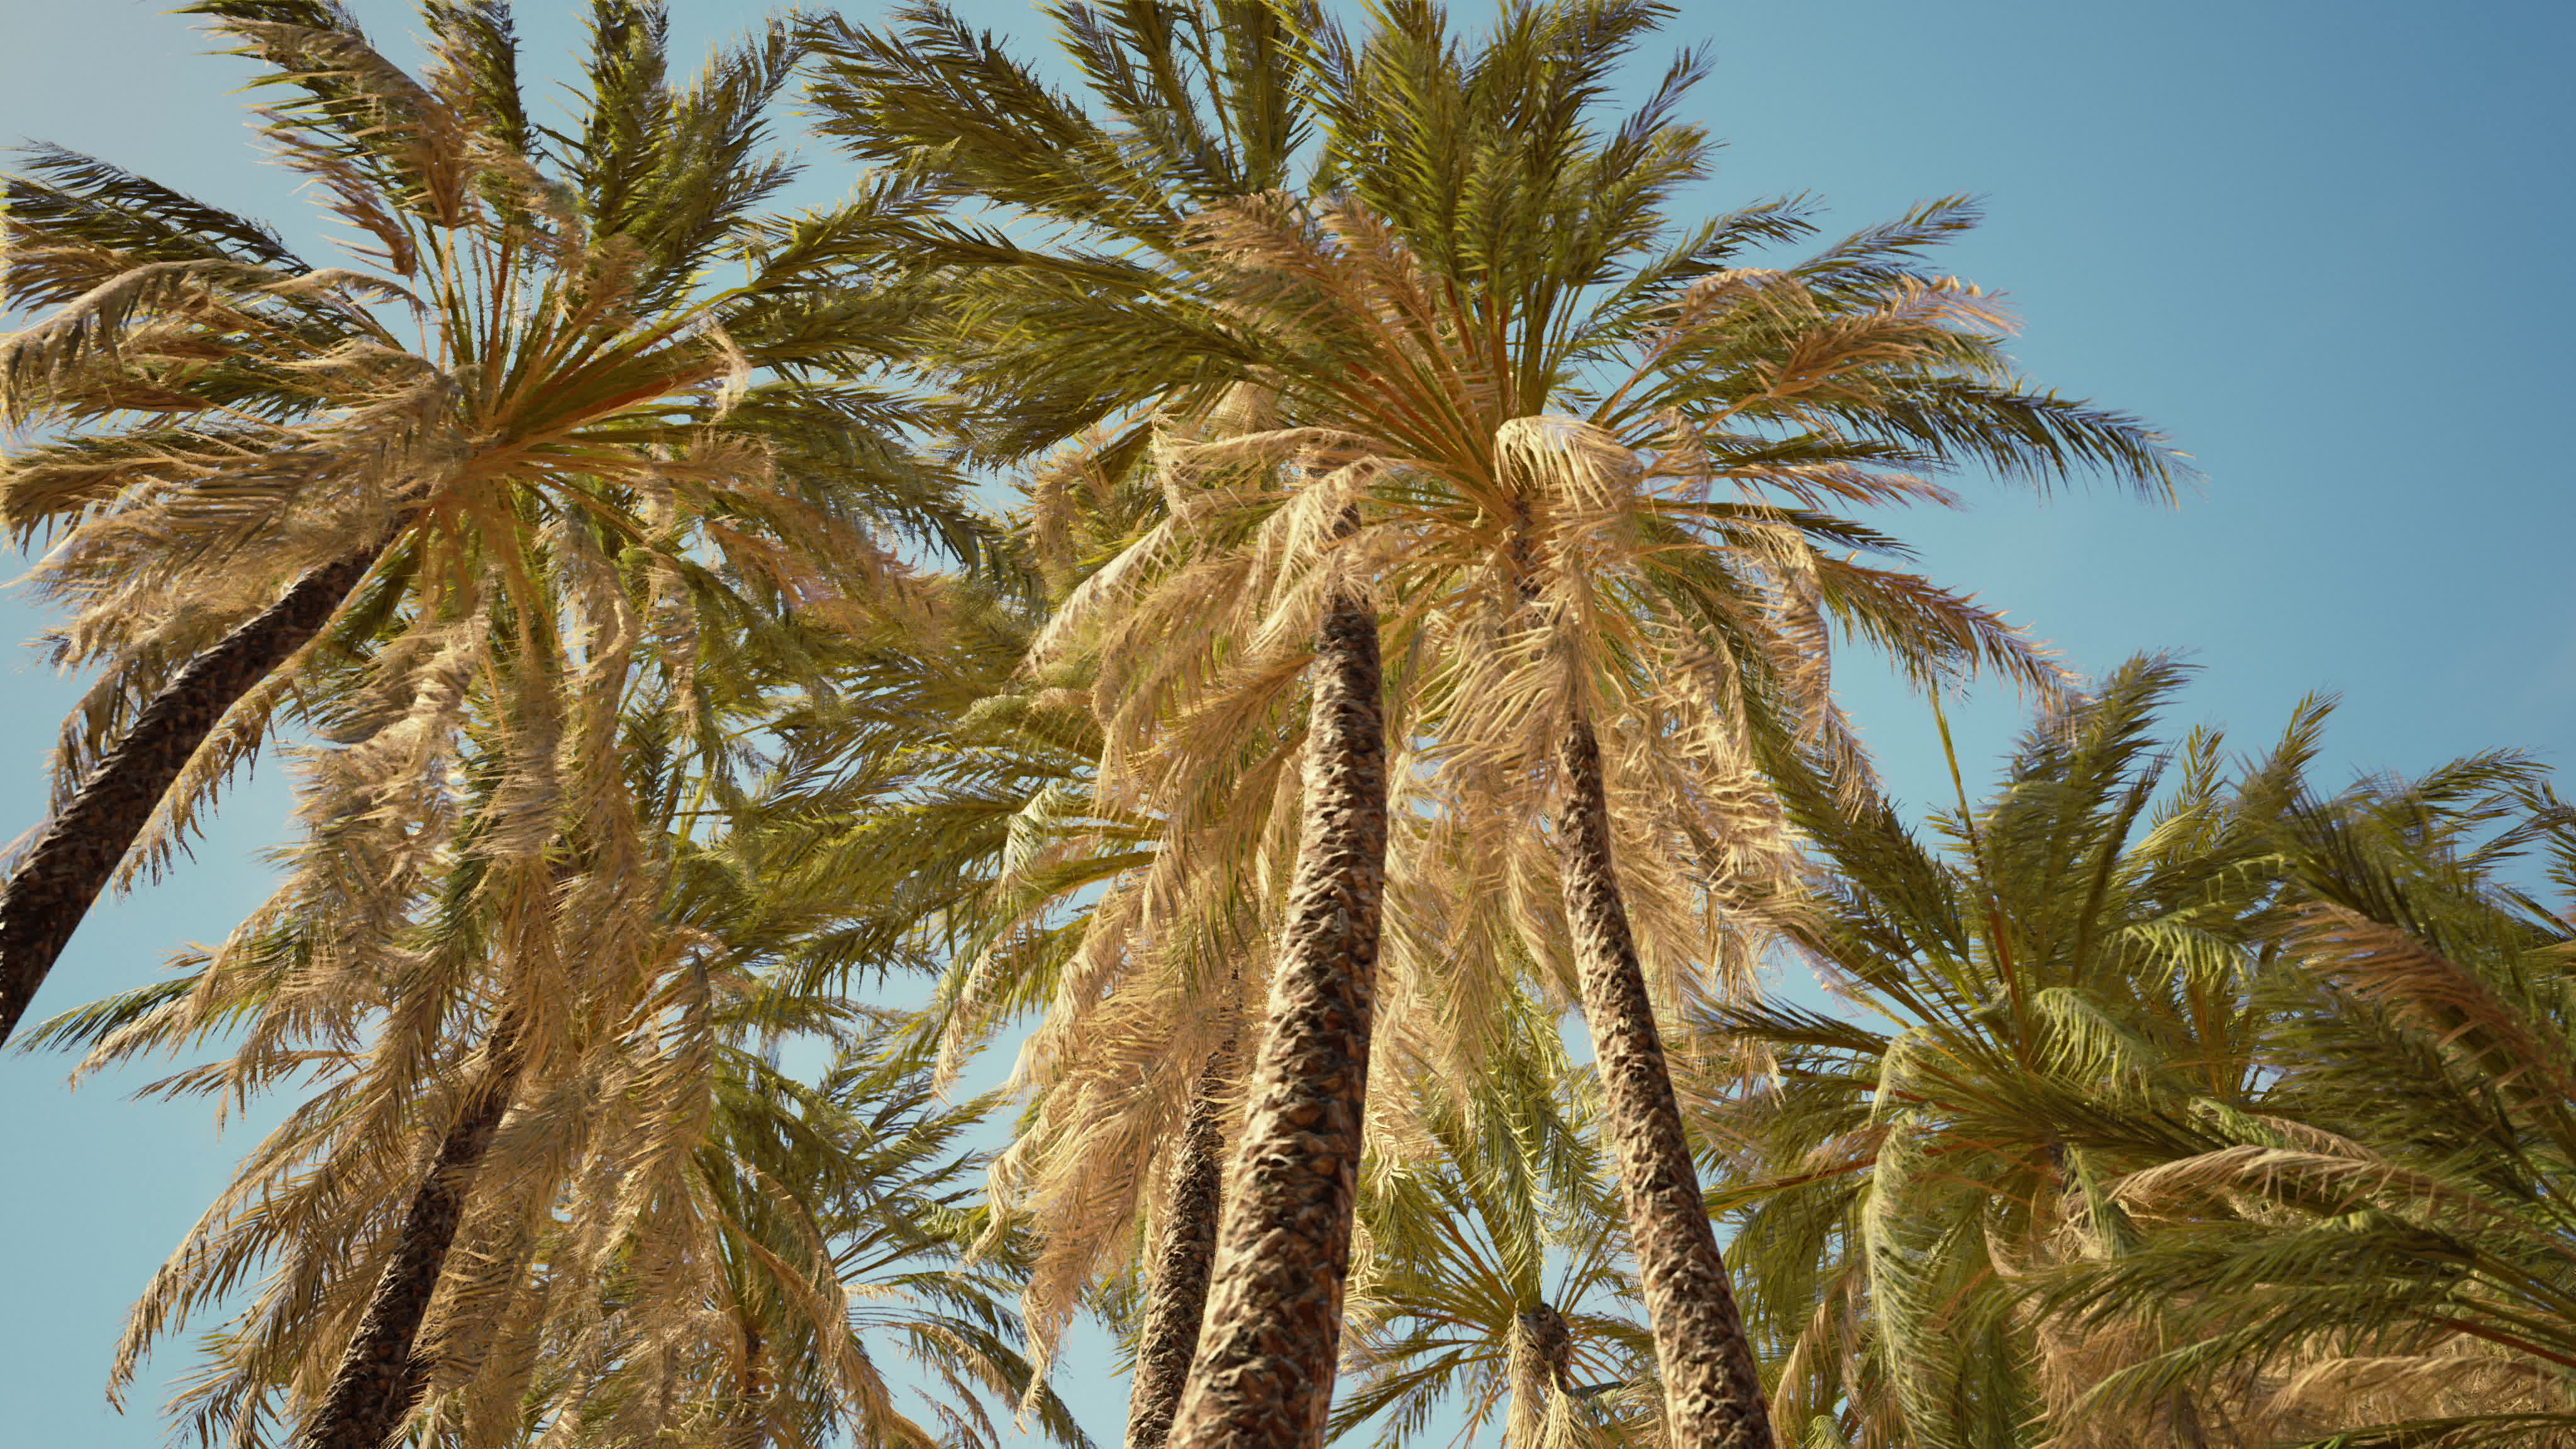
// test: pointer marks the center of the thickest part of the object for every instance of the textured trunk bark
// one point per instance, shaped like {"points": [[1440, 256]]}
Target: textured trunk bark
{"points": [[1542, 1351], [1712, 1391], [1176, 1301], [377, 1379], [750, 1414], [59, 878], [1264, 1372]]}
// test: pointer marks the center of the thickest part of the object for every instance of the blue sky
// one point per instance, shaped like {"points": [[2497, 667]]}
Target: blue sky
{"points": [[2321, 245]]}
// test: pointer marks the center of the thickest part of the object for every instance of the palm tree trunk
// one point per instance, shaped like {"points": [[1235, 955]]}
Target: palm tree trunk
{"points": [[1712, 1391], [378, 1379], [750, 1413], [1264, 1373], [1542, 1350], [59, 878], [1176, 1301]]}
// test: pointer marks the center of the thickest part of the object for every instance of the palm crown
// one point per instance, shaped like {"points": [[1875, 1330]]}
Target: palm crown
{"points": [[530, 386]]}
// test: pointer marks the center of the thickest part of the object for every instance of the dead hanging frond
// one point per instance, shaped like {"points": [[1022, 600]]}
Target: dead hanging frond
{"points": [[2386, 965], [88, 327], [1169, 966], [651, 1162]]}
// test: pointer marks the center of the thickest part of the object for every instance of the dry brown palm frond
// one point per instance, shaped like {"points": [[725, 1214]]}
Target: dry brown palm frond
{"points": [[1085, 1167], [2382, 964], [1170, 956], [2305, 1395]]}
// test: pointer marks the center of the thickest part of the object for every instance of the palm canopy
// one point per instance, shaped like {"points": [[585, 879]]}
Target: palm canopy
{"points": [[2070, 991], [531, 351], [1554, 391], [1532, 569], [530, 382], [2055, 989], [1586, 467], [1590, 458], [2378, 1251]]}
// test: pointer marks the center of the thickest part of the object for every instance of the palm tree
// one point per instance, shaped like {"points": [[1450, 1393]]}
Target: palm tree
{"points": [[2062, 995], [2377, 1250], [614, 1160], [1200, 106], [1492, 1270], [1608, 589], [1206, 893], [448, 1003], [1548, 545], [1167, 1338], [596, 526], [828, 1224], [986, 836], [267, 475]]}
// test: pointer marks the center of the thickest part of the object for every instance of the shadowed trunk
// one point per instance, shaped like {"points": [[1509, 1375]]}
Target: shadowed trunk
{"points": [[1542, 1354], [377, 1379], [1176, 1301], [750, 1413], [1712, 1392], [1264, 1373], [56, 881]]}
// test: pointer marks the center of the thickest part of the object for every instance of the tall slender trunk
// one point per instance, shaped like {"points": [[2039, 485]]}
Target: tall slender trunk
{"points": [[378, 1379], [1264, 1372], [1176, 1300], [59, 878], [1712, 1391]]}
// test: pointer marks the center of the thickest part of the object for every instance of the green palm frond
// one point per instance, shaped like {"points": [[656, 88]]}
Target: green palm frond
{"points": [[1492, 1294], [2066, 992], [2385, 1245]]}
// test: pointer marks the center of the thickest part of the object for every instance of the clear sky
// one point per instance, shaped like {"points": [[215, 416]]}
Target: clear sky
{"points": [[2323, 245]]}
